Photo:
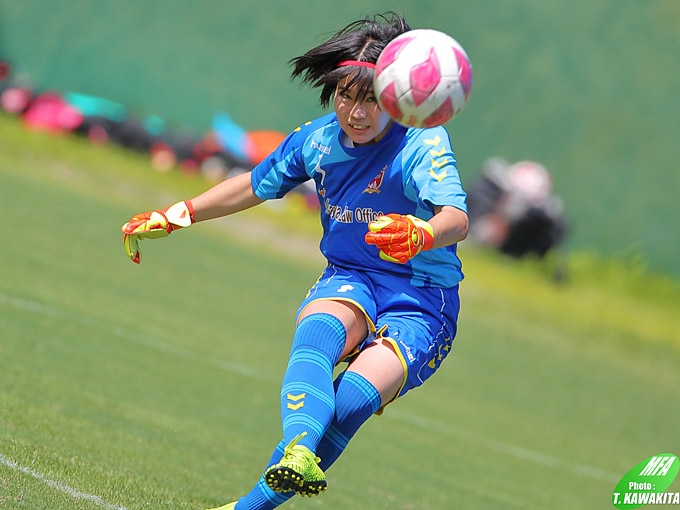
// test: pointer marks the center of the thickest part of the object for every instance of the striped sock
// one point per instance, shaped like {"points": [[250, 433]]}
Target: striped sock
{"points": [[356, 400], [261, 497], [307, 393]]}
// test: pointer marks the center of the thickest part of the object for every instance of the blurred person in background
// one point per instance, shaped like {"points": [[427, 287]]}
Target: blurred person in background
{"points": [[387, 303], [513, 209]]}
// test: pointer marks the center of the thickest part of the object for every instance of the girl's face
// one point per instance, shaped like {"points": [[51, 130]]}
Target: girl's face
{"points": [[360, 117]]}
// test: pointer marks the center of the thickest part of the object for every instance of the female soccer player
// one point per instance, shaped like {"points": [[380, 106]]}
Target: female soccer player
{"points": [[392, 210]]}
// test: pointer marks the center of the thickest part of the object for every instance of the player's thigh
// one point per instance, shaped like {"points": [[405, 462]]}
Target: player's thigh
{"points": [[352, 318], [380, 365]]}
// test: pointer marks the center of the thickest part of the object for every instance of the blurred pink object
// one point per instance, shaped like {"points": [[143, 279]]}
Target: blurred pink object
{"points": [[531, 180], [50, 112], [15, 100]]}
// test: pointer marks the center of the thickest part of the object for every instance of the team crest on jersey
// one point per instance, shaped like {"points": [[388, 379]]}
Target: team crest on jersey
{"points": [[374, 185]]}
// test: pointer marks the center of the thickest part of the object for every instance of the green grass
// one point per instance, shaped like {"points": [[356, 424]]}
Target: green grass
{"points": [[156, 386]]}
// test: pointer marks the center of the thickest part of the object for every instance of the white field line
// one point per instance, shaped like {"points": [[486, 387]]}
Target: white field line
{"points": [[243, 370], [74, 493], [129, 335], [501, 447]]}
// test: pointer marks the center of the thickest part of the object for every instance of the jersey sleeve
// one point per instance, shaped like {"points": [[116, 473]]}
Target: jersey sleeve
{"points": [[431, 176], [283, 170]]}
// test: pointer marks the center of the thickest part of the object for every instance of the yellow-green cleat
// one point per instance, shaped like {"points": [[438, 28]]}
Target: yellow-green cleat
{"points": [[228, 506], [297, 471]]}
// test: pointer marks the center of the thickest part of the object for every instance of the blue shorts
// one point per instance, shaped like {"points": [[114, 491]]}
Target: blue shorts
{"points": [[419, 322]]}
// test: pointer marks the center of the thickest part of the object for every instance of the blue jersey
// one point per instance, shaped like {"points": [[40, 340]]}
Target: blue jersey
{"points": [[409, 171]]}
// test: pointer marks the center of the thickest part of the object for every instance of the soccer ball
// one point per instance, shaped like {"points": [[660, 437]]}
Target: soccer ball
{"points": [[422, 78]]}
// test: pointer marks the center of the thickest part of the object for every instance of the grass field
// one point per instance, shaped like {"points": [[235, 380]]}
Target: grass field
{"points": [[156, 386]]}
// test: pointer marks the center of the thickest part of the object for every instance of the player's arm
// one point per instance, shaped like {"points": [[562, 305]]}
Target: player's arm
{"points": [[401, 237], [450, 225], [227, 197]]}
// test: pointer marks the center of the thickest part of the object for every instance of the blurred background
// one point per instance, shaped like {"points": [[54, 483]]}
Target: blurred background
{"points": [[586, 88]]}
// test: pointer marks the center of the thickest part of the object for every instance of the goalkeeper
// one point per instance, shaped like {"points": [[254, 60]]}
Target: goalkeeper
{"points": [[392, 211]]}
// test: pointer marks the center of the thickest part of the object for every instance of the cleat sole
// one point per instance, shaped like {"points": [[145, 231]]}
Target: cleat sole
{"points": [[284, 480]]}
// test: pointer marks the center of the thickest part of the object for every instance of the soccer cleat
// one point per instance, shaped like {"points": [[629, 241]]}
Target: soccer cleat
{"points": [[228, 506], [297, 471]]}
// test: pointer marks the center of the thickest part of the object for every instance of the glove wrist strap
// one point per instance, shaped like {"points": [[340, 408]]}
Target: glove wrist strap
{"points": [[426, 232], [428, 238], [181, 214]]}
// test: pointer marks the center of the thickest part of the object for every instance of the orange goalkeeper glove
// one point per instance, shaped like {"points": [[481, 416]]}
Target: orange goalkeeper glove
{"points": [[155, 224], [400, 238]]}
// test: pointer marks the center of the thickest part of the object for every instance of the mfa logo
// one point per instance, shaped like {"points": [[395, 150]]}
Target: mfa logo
{"points": [[646, 483]]}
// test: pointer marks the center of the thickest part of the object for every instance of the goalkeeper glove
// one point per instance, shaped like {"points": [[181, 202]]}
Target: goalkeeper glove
{"points": [[155, 224], [400, 238]]}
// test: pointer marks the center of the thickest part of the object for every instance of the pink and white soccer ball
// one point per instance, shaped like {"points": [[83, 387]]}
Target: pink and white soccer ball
{"points": [[423, 78]]}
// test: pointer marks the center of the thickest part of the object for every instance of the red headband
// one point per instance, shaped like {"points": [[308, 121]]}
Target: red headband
{"points": [[356, 63]]}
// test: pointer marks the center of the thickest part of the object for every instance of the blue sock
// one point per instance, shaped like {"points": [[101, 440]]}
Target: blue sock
{"points": [[261, 497], [356, 400], [307, 393]]}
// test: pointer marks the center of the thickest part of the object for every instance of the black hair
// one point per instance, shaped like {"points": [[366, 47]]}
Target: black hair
{"points": [[361, 40]]}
